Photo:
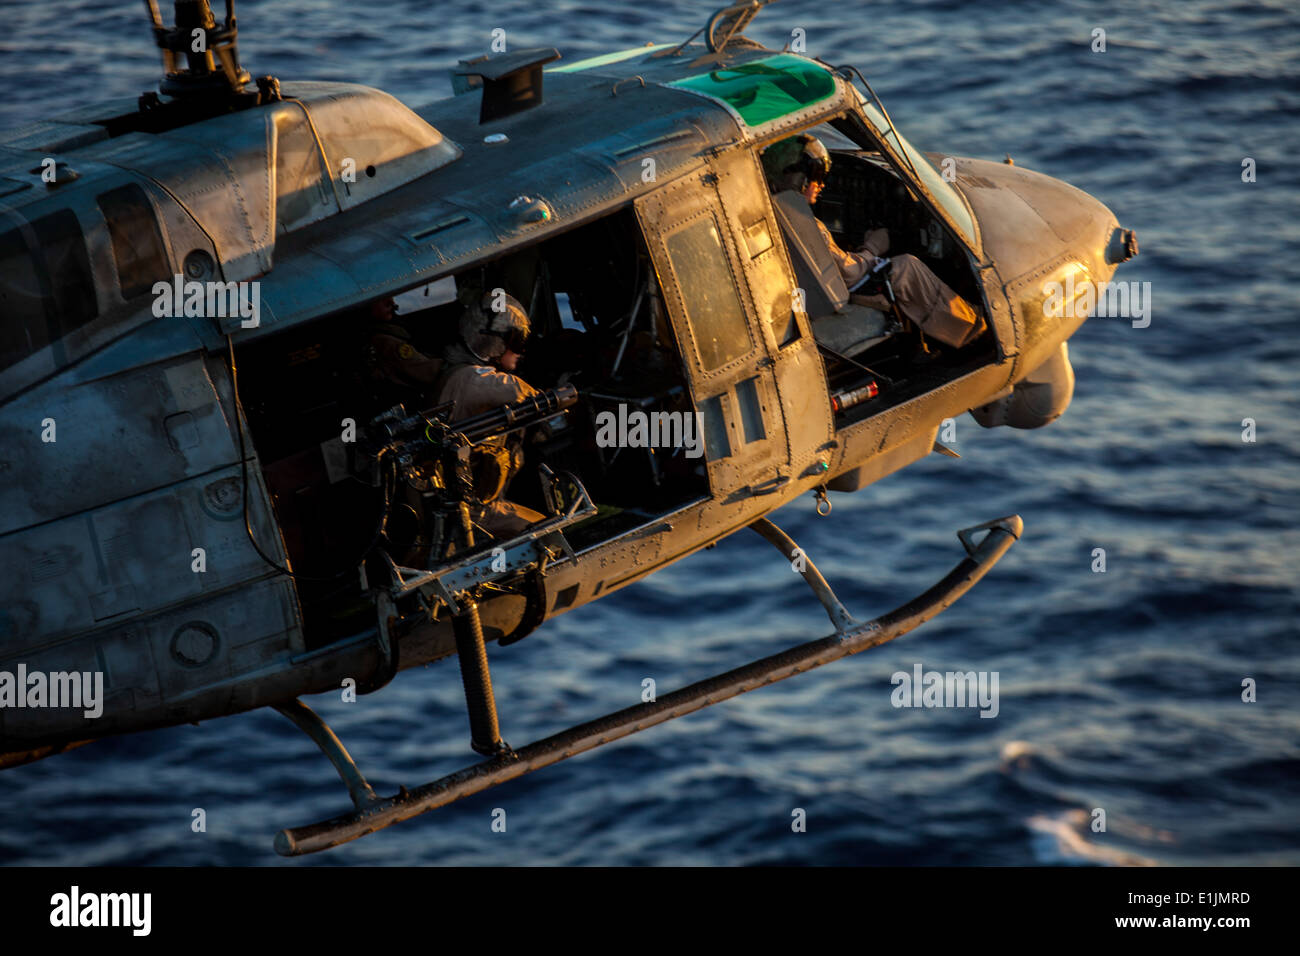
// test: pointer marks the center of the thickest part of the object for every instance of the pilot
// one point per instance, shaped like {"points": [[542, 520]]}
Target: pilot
{"points": [[479, 376], [802, 163]]}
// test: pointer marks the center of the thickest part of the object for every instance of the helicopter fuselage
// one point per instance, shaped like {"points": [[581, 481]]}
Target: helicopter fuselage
{"points": [[124, 503]]}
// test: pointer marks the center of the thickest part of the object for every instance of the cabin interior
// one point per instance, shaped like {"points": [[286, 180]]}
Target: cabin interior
{"points": [[597, 324]]}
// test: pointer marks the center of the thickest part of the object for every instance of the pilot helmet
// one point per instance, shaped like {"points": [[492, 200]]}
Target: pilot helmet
{"points": [[492, 324], [794, 162]]}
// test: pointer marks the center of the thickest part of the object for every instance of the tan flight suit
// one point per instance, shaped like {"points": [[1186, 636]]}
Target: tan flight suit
{"points": [[923, 297], [393, 358], [476, 389]]}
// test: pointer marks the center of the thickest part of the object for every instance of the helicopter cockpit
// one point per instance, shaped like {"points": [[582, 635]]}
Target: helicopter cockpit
{"points": [[858, 343]]}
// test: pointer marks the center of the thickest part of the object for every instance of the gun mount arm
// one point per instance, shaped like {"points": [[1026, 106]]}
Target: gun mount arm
{"points": [[534, 549]]}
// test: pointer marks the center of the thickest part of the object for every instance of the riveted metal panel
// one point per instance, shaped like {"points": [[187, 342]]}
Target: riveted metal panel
{"points": [[668, 213], [110, 438], [799, 374], [1026, 218], [227, 651]]}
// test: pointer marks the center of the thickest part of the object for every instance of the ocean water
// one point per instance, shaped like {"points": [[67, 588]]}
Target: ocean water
{"points": [[1118, 690]]}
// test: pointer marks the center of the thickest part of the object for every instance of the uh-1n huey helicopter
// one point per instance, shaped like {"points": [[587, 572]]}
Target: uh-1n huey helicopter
{"points": [[211, 508]]}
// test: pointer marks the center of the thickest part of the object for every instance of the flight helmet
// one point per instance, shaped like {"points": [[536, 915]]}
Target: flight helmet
{"points": [[794, 162], [492, 324]]}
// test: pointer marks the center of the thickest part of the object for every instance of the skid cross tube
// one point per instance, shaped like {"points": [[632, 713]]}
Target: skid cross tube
{"points": [[1002, 533]]}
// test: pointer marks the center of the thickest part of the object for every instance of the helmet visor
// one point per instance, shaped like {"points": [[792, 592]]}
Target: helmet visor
{"points": [[815, 160], [516, 340]]}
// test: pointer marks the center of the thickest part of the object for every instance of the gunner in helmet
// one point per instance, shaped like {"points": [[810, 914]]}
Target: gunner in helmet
{"points": [[481, 362], [802, 163], [479, 376]]}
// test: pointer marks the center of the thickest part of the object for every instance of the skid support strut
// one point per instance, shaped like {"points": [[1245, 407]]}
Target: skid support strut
{"points": [[306, 720], [840, 617], [981, 557]]}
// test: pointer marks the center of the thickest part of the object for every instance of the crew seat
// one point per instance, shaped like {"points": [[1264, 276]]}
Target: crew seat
{"points": [[839, 324]]}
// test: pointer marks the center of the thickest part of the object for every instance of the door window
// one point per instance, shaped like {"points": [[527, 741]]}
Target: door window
{"points": [[717, 319]]}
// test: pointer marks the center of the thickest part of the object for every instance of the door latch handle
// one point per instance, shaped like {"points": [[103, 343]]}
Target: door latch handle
{"points": [[769, 486]]}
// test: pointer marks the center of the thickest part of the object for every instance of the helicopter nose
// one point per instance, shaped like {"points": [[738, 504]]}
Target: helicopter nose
{"points": [[1029, 221]]}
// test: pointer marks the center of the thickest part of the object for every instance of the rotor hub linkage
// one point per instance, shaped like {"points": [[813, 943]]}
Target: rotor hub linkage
{"points": [[211, 50]]}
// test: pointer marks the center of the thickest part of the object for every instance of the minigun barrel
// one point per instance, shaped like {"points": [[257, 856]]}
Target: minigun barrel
{"points": [[521, 413]]}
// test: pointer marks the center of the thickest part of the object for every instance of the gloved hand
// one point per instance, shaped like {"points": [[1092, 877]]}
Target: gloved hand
{"points": [[876, 242]]}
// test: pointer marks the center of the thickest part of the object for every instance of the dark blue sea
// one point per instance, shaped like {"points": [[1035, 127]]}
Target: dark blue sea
{"points": [[1119, 690]]}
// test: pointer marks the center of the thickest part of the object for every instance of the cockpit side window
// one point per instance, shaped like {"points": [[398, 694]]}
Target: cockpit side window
{"points": [[72, 286], [46, 286], [137, 242]]}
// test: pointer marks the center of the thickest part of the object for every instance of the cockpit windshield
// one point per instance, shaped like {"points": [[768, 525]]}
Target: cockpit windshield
{"points": [[935, 185]]}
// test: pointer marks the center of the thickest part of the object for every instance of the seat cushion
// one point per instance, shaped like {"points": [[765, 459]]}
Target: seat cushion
{"points": [[853, 329]]}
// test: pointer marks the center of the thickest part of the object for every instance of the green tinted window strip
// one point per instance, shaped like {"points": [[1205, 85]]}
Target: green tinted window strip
{"points": [[766, 89]]}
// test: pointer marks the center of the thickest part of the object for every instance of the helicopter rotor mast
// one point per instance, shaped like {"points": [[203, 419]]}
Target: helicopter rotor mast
{"points": [[211, 51]]}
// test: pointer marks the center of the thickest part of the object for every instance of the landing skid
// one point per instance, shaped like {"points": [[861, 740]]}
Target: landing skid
{"points": [[375, 813]]}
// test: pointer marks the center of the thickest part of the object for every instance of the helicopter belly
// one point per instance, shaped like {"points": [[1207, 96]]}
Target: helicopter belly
{"points": [[1038, 399]]}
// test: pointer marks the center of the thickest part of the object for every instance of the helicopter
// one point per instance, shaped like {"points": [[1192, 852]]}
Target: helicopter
{"points": [[210, 509]]}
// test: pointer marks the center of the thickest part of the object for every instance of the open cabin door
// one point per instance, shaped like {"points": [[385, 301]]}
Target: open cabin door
{"points": [[779, 310], [728, 358]]}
